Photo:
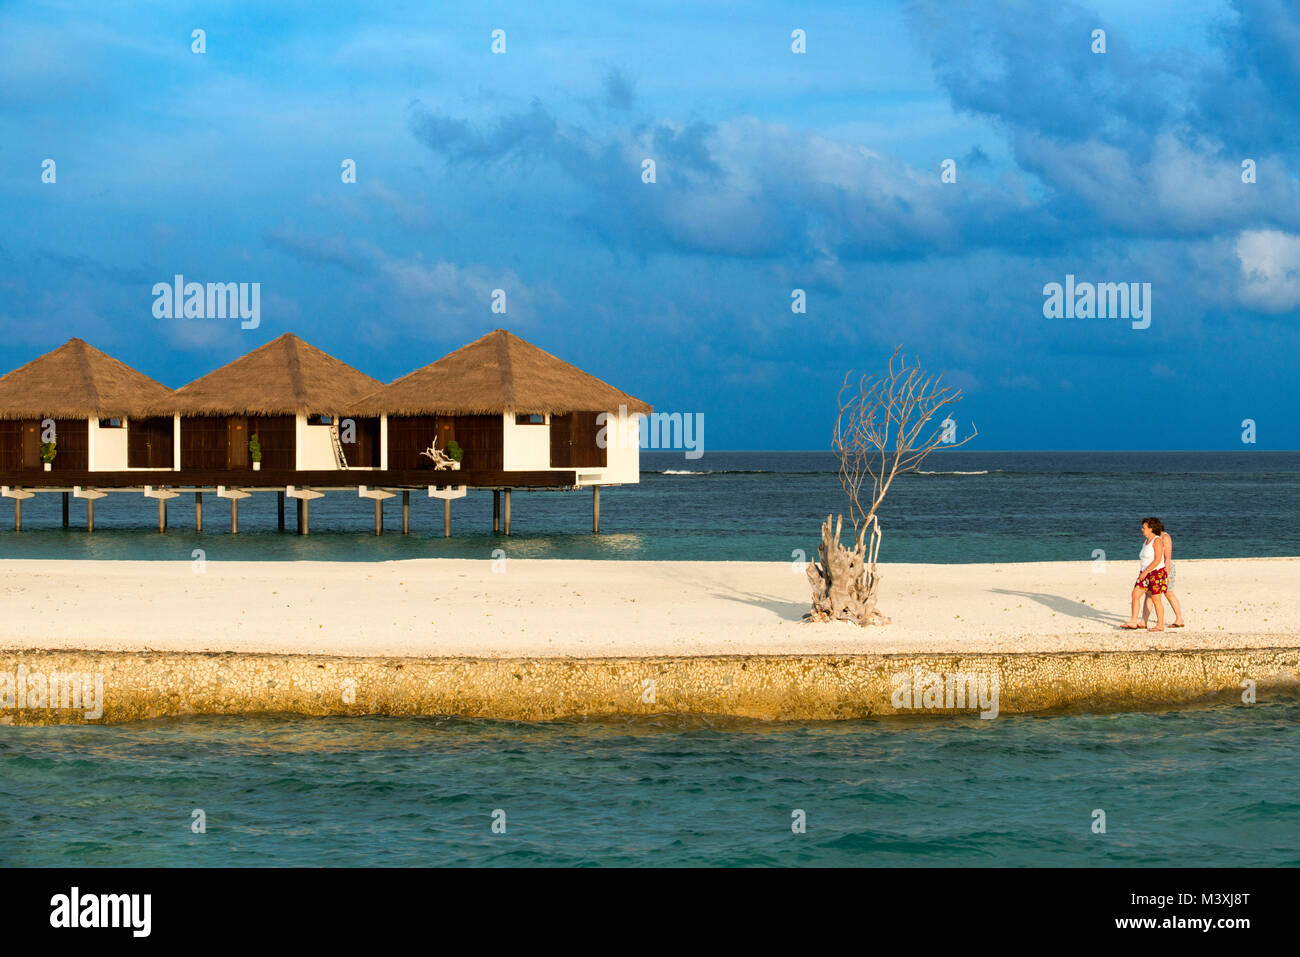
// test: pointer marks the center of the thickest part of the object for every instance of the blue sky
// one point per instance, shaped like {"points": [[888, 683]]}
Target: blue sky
{"points": [[775, 171]]}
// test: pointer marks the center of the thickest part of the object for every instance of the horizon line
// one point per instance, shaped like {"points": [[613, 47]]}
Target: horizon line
{"points": [[1152, 451]]}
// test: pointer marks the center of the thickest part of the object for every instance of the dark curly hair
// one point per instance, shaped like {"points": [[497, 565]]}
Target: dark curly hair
{"points": [[1155, 525]]}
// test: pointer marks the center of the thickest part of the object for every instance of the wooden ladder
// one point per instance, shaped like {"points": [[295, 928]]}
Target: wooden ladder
{"points": [[339, 457]]}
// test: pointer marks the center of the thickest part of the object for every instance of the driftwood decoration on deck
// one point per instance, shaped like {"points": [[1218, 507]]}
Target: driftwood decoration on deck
{"points": [[441, 460], [879, 433]]}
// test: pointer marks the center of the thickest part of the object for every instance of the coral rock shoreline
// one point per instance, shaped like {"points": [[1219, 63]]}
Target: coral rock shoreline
{"points": [[147, 685]]}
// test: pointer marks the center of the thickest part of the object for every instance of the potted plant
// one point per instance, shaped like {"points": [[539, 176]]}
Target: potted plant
{"points": [[456, 452], [48, 451], [255, 452]]}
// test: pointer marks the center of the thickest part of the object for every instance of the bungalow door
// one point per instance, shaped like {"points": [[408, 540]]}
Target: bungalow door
{"points": [[32, 445], [444, 428], [149, 443], [561, 440], [574, 442], [364, 452], [237, 426]]}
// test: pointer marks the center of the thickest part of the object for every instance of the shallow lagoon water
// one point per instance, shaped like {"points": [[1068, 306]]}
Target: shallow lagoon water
{"points": [[1213, 786], [970, 506], [1206, 786]]}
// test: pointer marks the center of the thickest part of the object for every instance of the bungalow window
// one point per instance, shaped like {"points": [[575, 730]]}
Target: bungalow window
{"points": [[114, 423], [529, 418], [320, 420]]}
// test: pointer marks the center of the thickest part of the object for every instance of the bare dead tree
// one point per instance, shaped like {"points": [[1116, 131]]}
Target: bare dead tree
{"points": [[883, 429]]}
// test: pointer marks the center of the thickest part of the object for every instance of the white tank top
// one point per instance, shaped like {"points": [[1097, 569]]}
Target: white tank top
{"points": [[1144, 557]]}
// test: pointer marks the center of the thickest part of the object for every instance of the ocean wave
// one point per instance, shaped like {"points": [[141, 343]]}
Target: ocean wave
{"points": [[985, 472], [712, 472]]}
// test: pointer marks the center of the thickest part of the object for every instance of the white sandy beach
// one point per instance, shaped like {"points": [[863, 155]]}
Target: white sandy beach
{"points": [[446, 607]]}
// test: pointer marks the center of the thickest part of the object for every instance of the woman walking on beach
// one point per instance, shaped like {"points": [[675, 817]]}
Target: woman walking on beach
{"points": [[1153, 580], [1174, 603]]}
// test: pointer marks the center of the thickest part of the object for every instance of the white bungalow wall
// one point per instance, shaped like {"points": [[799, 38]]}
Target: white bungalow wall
{"points": [[107, 448], [623, 458], [315, 449], [527, 448]]}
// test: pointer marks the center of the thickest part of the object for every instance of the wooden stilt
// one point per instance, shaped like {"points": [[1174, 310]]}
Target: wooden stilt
{"points": [[279, 508], [90, 514], [18, 494], [234, 516], [595, 510], [162, 494], [507, 511], [496, 510], [198, 511], [299, 516], [65, 509], [446, 518], [379, 516], [306, 516], [406, 512]]}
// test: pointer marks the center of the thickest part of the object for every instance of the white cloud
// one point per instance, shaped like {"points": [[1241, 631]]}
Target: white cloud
{"points": [[1270, 269], [423, 295]]}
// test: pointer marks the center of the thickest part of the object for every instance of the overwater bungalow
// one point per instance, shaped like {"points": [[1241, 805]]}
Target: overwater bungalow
{"points": [[510, 406], [499, 413], [288, 394], [94, 410]]}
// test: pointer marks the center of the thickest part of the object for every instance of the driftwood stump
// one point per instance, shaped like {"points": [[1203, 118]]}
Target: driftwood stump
{"points": [[844, 582]]}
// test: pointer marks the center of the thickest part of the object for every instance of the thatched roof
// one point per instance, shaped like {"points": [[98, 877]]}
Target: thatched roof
{"points": [[498, 373], [284, 377], [77, 381]]}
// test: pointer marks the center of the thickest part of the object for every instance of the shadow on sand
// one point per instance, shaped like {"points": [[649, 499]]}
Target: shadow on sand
{"points": [[795, 611], [1065, 606], [785, 610]]}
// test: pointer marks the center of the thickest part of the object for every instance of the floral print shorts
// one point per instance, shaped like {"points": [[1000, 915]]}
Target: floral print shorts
{"points": [[1156, 582]]}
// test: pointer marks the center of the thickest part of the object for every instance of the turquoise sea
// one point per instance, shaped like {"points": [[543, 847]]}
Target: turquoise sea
{"points": [[1213, 786], [968, 506], [1205, 786]]}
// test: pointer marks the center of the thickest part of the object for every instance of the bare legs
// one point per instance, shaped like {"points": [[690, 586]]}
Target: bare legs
{"points": [[1176, 606], [1142, 604], [1138, 594], [1174, 603], [1160, 614]]}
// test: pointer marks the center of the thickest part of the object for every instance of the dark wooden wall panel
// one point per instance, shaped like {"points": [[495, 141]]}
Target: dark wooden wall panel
{"points": [[150, 443], [408, 436], [278, 436], [483, 439], [204, 443], [72, 438], [11, 445]]}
